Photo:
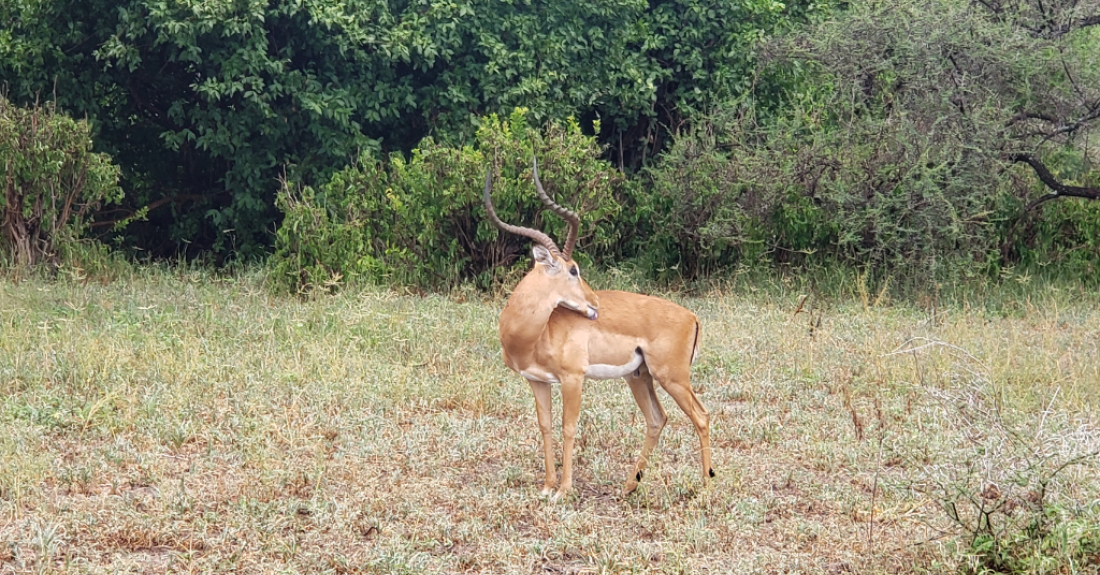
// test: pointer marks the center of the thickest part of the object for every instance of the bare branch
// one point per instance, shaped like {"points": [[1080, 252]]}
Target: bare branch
{"points": [[1058, 189], [1059, 126], [1054, 32], [148, 208]]}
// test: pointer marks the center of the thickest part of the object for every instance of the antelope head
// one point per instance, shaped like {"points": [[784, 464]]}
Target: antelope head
{"points": [[556, 278]]}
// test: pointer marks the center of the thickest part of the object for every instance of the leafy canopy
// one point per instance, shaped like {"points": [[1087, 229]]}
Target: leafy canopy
{"points": [[205, 103]]}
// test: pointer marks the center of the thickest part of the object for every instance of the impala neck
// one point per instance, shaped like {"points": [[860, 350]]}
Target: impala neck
{"points": [[524, 319]]}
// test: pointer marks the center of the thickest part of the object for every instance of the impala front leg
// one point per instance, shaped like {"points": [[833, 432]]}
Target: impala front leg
{"points": [[571, 410], [541, 391]]}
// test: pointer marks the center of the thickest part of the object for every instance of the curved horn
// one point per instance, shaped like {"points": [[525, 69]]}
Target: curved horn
{"points": [[532, 233], [569, 215]]}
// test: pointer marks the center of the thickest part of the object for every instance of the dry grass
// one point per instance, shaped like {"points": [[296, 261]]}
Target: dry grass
{"points": [[178, 421]]}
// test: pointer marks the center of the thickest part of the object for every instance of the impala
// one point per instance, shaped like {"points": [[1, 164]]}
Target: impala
{"points": [[555, 329]]}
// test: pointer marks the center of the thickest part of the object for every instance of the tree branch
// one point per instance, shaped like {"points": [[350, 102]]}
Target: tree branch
{"points": [[993, 6], [1085, 22], [152, 206], [1030, 116], [1058, 189], [1092, 112], [1050, 31]]}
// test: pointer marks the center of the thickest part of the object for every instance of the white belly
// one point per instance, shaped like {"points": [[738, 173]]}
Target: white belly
{"points": [[595, 370], [535, 374]]}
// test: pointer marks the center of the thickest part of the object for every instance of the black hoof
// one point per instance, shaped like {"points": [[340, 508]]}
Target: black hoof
{"points": [[712, 472], [638, 477]]}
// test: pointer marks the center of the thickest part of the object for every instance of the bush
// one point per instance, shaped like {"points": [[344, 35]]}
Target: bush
{"points": [[712, 209], [1062, 236], [914, 136], [743, 194], [1013, 486], [52, 181], [420, 222]]}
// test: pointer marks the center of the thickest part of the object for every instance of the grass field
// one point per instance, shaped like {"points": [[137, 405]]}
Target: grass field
{"points": [[180, 421]]}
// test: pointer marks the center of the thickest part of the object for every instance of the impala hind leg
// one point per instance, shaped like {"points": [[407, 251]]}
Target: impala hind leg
{"points": [[679, 387], [641, 385], [541, 391]]}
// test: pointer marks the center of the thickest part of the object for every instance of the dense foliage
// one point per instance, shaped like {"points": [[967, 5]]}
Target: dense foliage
{"points": [[421, 221], [933, 138], [51, 183], [205, 102], [920, 137]]}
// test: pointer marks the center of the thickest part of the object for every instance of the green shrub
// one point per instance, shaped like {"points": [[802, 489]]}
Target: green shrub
{"points": [[911, 137], [738, 193], [693, 213], [420, 221], [1062, 236], [52, 182]]}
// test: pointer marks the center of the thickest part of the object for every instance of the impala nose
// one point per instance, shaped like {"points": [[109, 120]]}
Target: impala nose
{"points": [[592, 314]]}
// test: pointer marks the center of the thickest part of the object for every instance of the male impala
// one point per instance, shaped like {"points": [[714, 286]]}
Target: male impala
{"points": [[555, 329]]}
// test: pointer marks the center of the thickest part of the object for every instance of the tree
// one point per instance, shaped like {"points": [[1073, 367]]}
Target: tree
{"points": [[205, 103], [914, 136], [1002, 82]]}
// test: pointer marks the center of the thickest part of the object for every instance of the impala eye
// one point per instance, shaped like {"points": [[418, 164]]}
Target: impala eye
{"points": [[574, 272]]}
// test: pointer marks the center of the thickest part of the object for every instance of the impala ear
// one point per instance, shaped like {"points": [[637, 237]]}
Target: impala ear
{"points": [[544, 257]]}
